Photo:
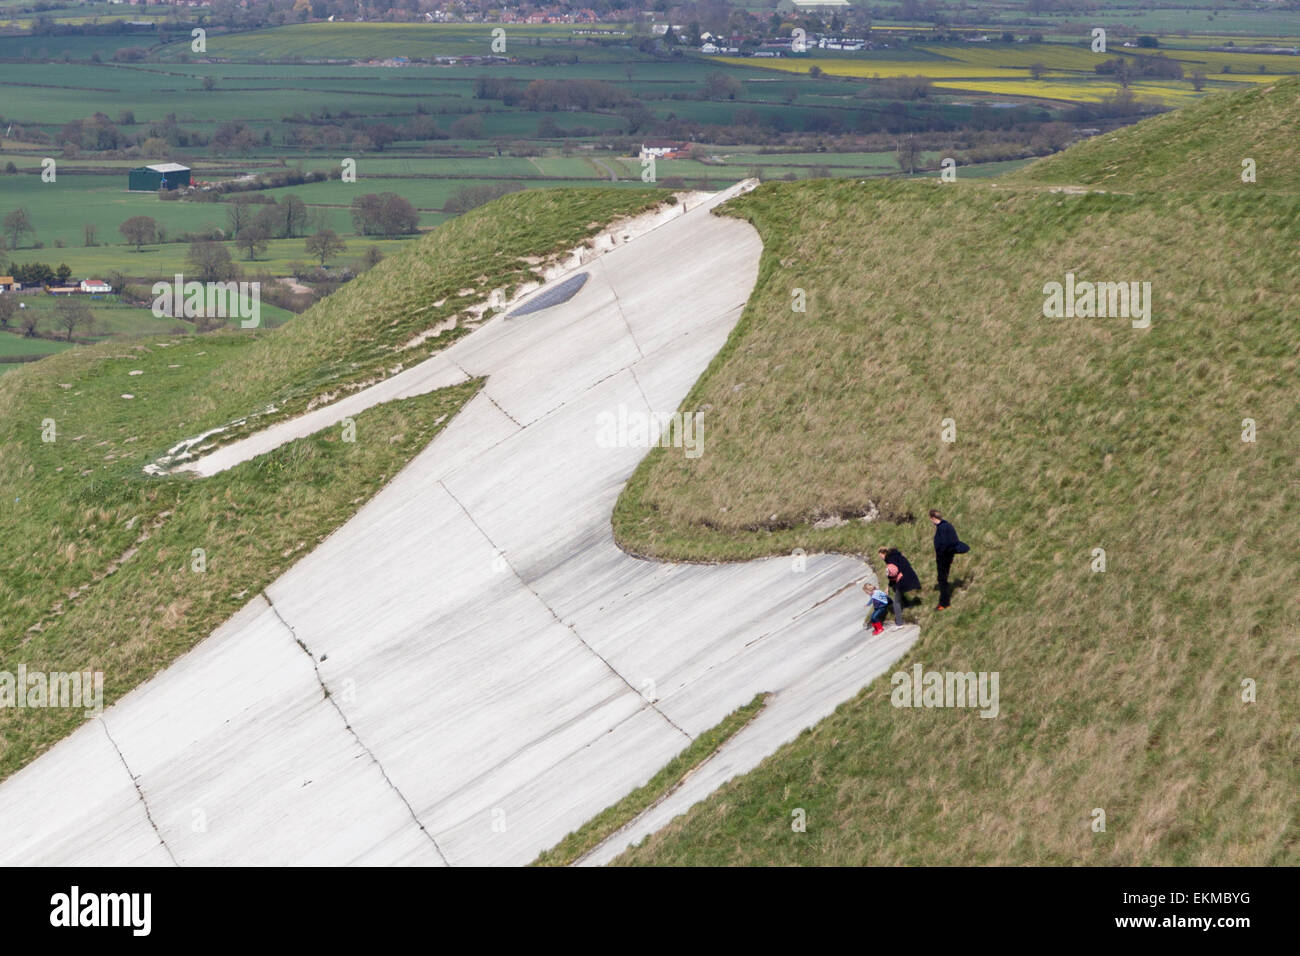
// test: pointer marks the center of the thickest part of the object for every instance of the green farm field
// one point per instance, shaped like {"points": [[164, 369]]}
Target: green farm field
{"points": [[326, 41], [16, 344], [169, 258], [116, 319]]}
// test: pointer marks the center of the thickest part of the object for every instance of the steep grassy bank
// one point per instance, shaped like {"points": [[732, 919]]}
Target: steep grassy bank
{"points": [[1198, 148], [1121, 689]]}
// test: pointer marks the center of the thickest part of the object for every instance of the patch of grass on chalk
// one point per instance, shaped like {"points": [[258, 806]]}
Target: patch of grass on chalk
{"points": [[674, 773]]}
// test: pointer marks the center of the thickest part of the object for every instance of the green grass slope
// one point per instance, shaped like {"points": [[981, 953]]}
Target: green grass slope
{"points": [[97, 566], [1199, 147], [1120, 689]]}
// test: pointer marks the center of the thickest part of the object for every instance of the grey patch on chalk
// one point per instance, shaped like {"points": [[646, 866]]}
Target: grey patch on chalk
{"points": [[555, 295]]}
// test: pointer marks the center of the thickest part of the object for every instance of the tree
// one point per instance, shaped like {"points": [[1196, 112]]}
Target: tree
{"points": [[382, 134], [365, 213], [252, 239], [8, 306], [1036, 70], [294, 211], [721, 86], [89, 230], [64, 272], [269, 220], [29, 320], [907, 154], [71, 314], [1198, 81], [16, 225], [139, 231], [469, 126], [210, 261], [397, 216], [239, 214], [209, 83], [386, 214], [324, 244], [372, 257], [155, 147]]}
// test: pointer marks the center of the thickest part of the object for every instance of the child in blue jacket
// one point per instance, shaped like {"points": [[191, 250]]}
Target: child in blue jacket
{"points": [[877, 607]]}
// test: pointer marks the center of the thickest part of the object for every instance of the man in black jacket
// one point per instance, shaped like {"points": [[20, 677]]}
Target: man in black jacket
{"points": [[946, 547]]}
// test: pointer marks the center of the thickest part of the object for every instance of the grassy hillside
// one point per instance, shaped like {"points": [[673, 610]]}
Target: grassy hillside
{"points": [[1120, 689], [1198, 149], [96, 560]]}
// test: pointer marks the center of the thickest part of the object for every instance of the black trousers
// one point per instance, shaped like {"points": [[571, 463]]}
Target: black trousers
{"points": [[944, 561]]}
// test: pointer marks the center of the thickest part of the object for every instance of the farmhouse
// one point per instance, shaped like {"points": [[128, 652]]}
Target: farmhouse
{"points": [[804, 6], [151, 178], [7, 284], [664, 148], [95, 285]]}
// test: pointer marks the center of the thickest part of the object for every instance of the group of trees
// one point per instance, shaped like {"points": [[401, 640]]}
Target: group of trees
{"points": [[98, 133], [287, 219], [237, 137], [38, 273], [70, 314], [138, 231], [11, 315], [1126, 69], [547, 95], [384, 214], [159, 140], [95, 133], [253, 221]]}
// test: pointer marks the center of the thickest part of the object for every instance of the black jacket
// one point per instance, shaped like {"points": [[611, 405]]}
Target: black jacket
{"points": [[909, 580], [945, 538]]}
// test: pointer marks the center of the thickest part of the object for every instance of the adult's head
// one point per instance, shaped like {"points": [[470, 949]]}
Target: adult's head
{"points": [[884, 551], [935, 516]]}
